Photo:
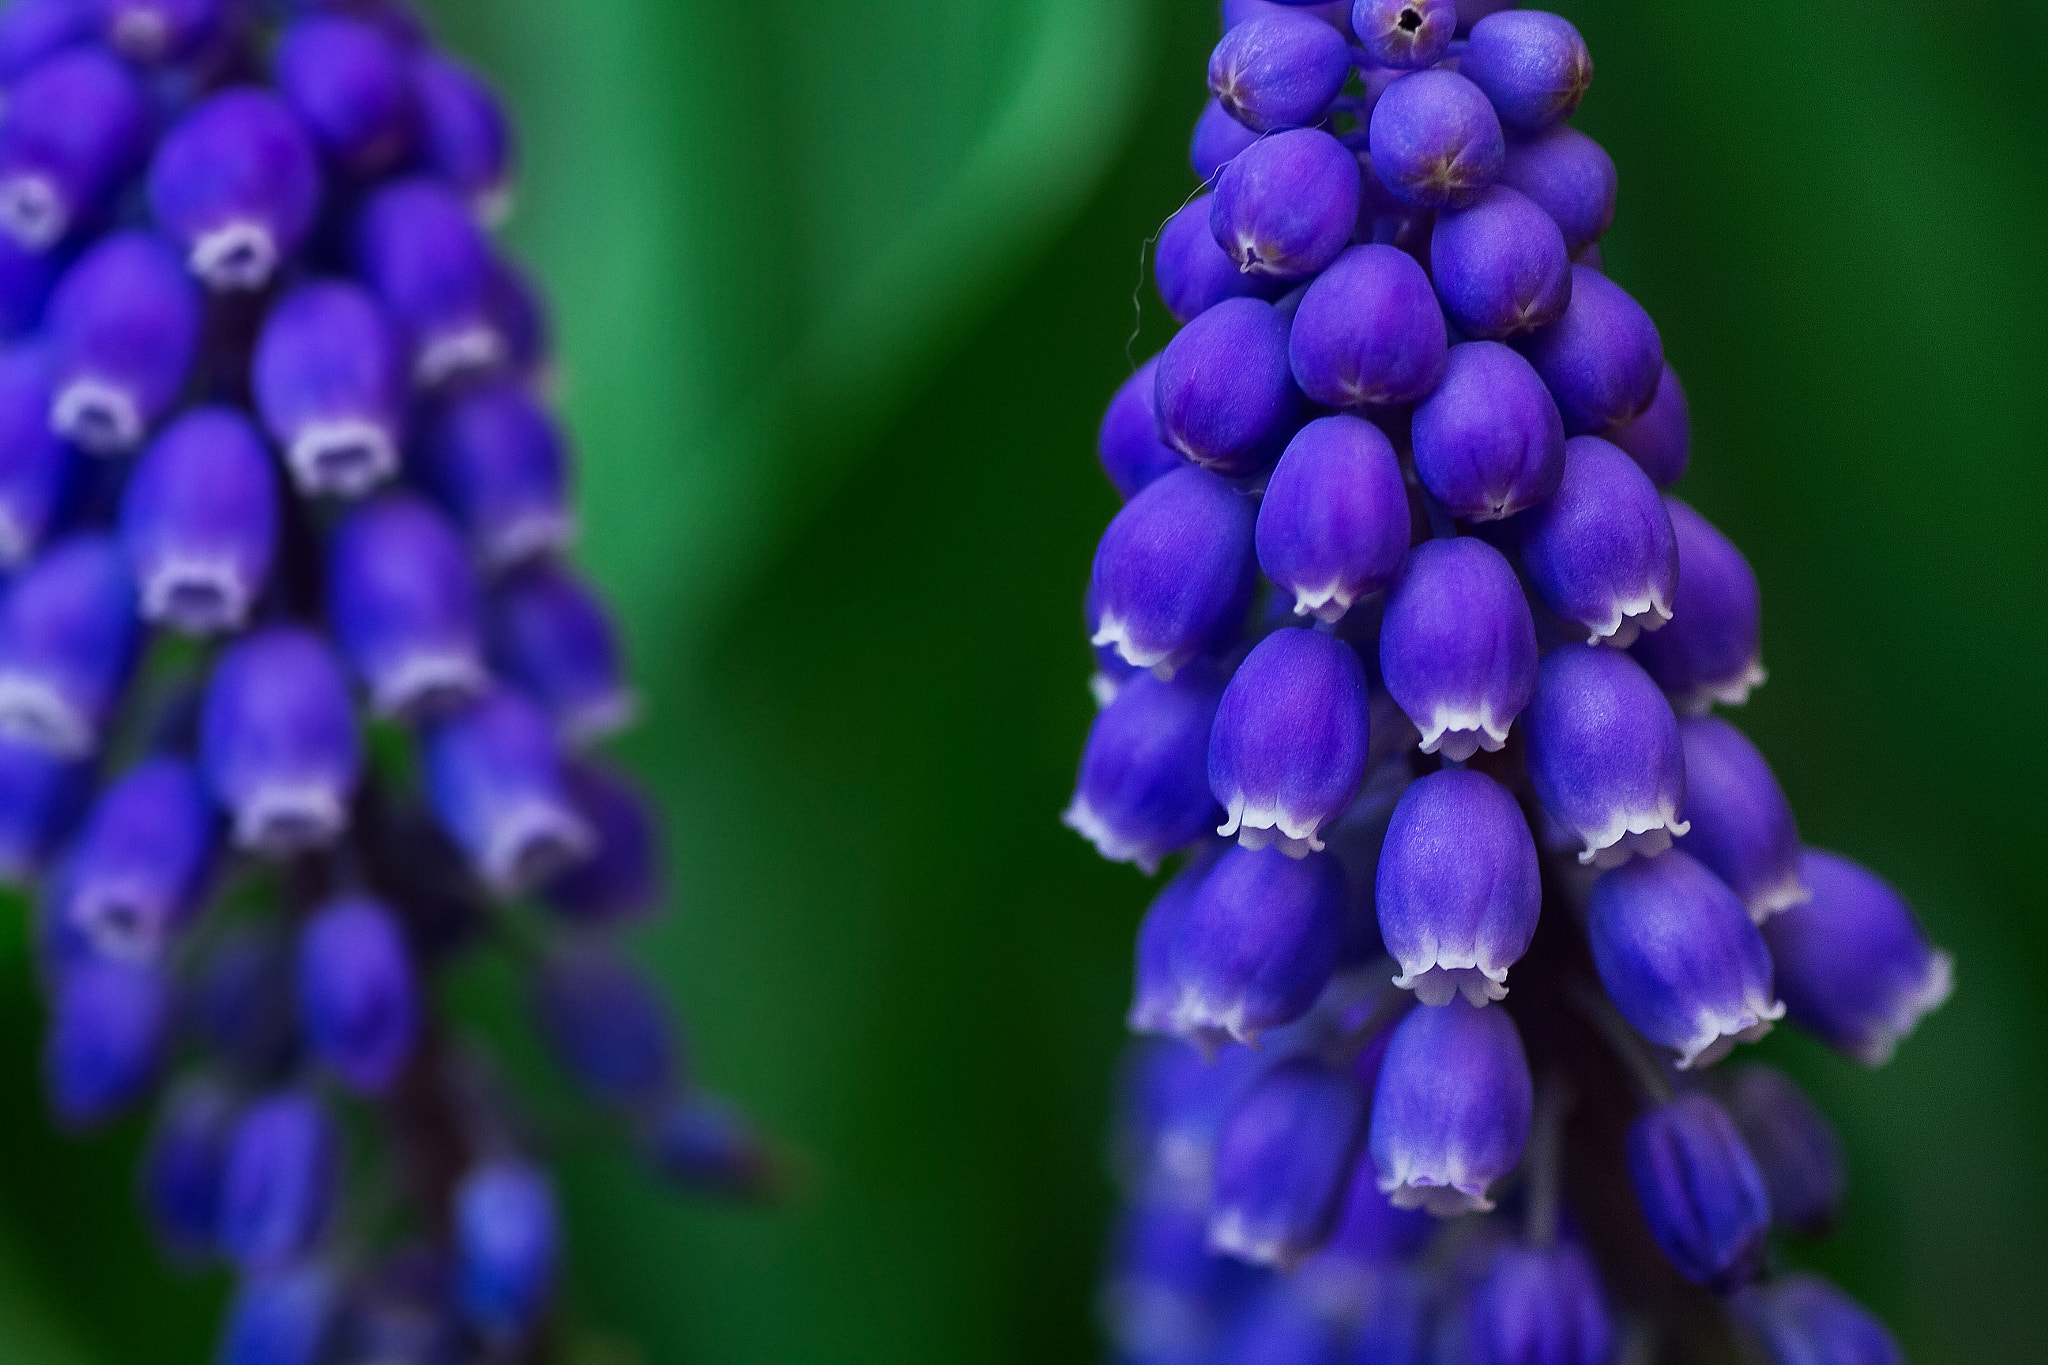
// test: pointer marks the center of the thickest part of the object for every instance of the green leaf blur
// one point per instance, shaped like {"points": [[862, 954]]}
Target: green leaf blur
{"points": [[841, 289]]}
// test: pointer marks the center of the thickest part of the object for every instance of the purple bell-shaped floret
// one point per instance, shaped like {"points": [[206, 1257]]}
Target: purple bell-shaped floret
{"points": [[464, 135], [1286, 206], [499, 463], [1712, 651], [109, 1028], [405, 605], [1604, 755], [1143, 791], [1369, 332], [1458, 646], [1283, 1161], [1217, 138], [1459, 887], [1223, 393], [359, 1003], [35, 463], [1794, 1145], [1602, 360], [421, 252], [1853, 963], [77, 124], [1500, 266], [125, 323], [280, 1183], [1406, 35], [154, 32], [1452, 1108], [199, 522], [181, 1167], [552, 636], [1435, 141], [1801, 1319], [237, 184], [1334, 524], [1288, 751], [349, 82], [494, 777], [68, 637], [329, 381], [134, 876], [1128, 441], [1488, 441], [1680, 958], [1601, 553], [31, 30], [1742, 825], [1661, 439], [1192, 270], [1279, 70], [1700, 1191], [621, 879], [1533, 66], [1570, 177], [1539, 1306], [607, 1026], [40, 794], [507, 1247], [279, 743], [286, 1318], [1155, 995], [1258, 945], [1174, 573]]}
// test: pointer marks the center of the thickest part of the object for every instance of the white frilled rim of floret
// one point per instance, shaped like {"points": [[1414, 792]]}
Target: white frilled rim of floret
{"points": [[1110, 842], [1633, 833], [1628, 618], [1908, 1008], [1443, 978], [1327, 603], [1775, 899], [1445, 1193], [1115, 632], [1731, 691], [1458, 732], [1716, 1032], [1271, 825]]}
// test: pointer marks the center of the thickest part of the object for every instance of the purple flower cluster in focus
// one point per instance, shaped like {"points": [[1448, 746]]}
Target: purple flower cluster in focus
{"points": [[298, 689], [1408, 661]]}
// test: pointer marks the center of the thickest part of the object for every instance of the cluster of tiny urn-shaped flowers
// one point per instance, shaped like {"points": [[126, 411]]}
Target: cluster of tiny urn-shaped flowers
{"points": [[295, 684], [1405, 650]]}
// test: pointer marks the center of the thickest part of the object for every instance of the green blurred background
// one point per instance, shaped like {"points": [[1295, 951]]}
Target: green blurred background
{"points": [[842, 285]]}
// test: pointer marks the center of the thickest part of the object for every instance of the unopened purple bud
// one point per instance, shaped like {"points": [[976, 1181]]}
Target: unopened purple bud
{"points": [[1854, 965], [1287, 754], [464, 133], [199, 522], [707, 1145], [1155, 996], [1803, 1320], [31, 30], [1286, 205], [358, 1001], [76, 126], [1489, 442], [1601, 553], [1218, 137], [494, 777], [1700, 1191], [552, 635], [1539, 1306], [1500, 265], [25, 281], [1143, 791], [607, 1027], [1602, 361], [1223, 393], [405, 605], [1680, 958], [350, 83], [499, 462], [1335, 13], [1435, 141], [1459, 887], [1742, 825], [1534, 67], [279, 1185], [68, 637], [1604, 755], [1259, 943], [152, 32], [1458, 646], [522, 319], [1369, 332], [108, 1029], [40, 793], [1405, 35], [1194, 273], [1570, 177], [35, 464], [285, 1318], [1794, 1145], [125, 321], [237, 184], [329, 381], [1283, 1161], [1451, 1111], [1279, 70], [181, 1169], [1661, 439], [1334, 522], [1712, 651], [1174, 573], [621, 879], [133, 878], [423, 255], [507, 1246], [279, 742], [1128, 442]]}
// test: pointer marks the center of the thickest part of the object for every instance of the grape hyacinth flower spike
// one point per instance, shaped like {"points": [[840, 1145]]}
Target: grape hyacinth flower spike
{"points": [[1460, 744], [268, 384]]}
